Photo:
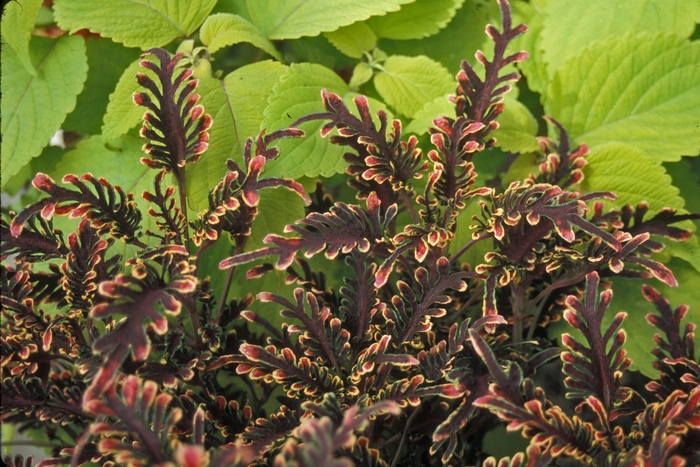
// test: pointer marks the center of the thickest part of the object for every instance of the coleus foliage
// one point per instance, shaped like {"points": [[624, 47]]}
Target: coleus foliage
{"points": [[415, 356]]}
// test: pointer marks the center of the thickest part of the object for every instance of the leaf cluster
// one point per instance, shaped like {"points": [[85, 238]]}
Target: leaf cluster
{"points": [[363, 249]]}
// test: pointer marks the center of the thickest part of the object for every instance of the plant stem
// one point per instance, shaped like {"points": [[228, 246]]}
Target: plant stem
{"points": [[224, 293], [405, 434], [180, 176], [466, 246], [404, 197]]}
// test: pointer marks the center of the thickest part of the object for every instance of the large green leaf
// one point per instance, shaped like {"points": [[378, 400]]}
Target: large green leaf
{"points": [[17, 25], [298, 93], [236, 105], [571, 25], [456, 42], [33, 107], [534, 69], [416, 20], [122, 114], [291, 19], [408, 83], [135, 23], [224, 29], [517, 128], [643, 91], [423, 119], [353, 40], [633, 177], [278, 208], [106, 62]]}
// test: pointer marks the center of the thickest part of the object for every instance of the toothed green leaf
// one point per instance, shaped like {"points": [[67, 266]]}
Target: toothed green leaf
{"points": [[17, 25], [145, 24], [291, 19], [416, 20], [643, 91], [236, 105], [353, 40], [405, 85], [517, 128], [224, 29], [33, 107], [632, 176], [571, 25]]}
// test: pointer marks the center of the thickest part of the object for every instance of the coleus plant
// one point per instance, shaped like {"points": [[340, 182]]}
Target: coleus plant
{"points": [[123, 345]]}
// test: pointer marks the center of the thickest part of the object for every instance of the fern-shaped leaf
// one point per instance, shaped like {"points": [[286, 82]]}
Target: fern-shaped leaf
{"points": [[136, 407], [594, 370], [317, 440], [107, 208], [147, 294], [321, 333], [343, 229], [423, 300], [174, 124]]}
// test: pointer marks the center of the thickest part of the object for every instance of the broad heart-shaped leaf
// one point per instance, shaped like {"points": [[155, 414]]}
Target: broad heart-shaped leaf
{"points": [[571, 25], [291, 19], [277, 210], [627, 296], [534, 69], [408, 83], [517, 128], [236, 105], [298, 93], [640, 90], [223, 29], [17, 25], [33, 107], [106, 62], [122, 114], [416, 20], [353, 40], [134, 23], [464, 34], [632, 176], [423, 119]]}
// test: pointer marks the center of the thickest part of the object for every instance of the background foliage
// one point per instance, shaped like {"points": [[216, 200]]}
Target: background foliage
{"points": [[620, 78]]}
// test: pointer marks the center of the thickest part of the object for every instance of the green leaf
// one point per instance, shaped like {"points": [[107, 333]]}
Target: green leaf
{"points": [[423, 119], [517, 129], [291, 19], [236, 105], [408, 83], [33, 107], [298, 93], [643, 91], [277, 208], [416, 20], [17, 25], [361, 74], [122, 114], [106, 62], [571, 25], [134, 23], [688, 251], [632, 176], [224, 29], [462, 37], [353, 40], [534, 68]]}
